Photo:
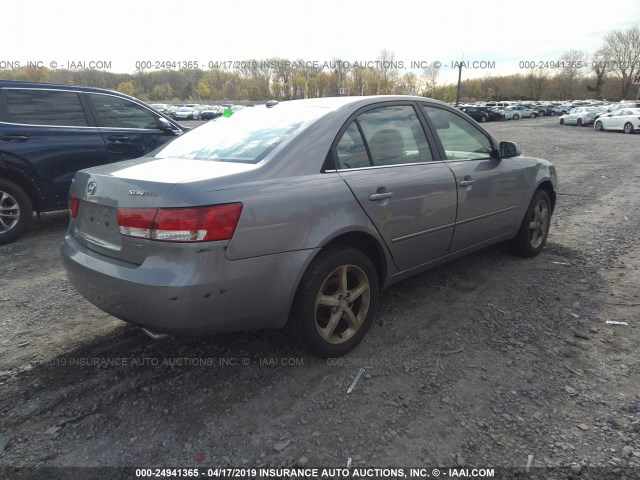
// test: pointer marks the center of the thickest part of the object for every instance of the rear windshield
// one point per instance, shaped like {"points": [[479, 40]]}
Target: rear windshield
{"points": [[247, 136]]}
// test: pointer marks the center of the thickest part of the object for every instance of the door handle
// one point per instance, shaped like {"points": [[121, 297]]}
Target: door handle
{"points": [[119, 138], [13, 138], [374, 197], [464, 183]]}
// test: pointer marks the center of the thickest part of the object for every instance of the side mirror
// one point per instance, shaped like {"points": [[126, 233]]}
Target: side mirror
{"points": [[509, 149], [163, 124]]}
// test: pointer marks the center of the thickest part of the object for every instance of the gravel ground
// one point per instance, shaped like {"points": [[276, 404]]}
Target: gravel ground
{"points": [[489, 361]]}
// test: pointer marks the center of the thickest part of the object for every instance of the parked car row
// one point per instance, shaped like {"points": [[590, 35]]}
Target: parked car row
{"points": [[623, 119], [194, 111], [622, 116], [548, 108], [483, 114]]}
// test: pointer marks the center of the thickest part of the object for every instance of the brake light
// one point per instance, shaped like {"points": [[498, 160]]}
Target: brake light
{"points": [[198, 224], [74, 204]]}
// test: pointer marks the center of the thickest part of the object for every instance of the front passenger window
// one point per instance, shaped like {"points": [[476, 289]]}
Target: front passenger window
{"points": [[460, 139]]}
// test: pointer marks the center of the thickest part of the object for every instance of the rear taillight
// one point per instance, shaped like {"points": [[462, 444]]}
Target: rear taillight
{"points": [[136, 222], [198, 224], [74, 204]]}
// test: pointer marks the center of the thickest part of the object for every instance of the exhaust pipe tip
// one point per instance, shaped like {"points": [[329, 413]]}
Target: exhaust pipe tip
{"points": [[158, 337]]}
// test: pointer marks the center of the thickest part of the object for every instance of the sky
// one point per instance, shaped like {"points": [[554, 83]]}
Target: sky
{"points": [[495, 34]]}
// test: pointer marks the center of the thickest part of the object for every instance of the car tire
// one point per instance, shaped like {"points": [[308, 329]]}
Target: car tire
{"points": [[598, 126], [579, 122], [562, 121], [553, 114], [541, 113], [516, 116], [628, 128], [533, 115], [483, 119], [15, 211], [333, 276], [534, 229]]}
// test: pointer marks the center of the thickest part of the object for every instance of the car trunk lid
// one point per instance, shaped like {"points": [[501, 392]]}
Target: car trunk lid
{"points": [[140, 185]]}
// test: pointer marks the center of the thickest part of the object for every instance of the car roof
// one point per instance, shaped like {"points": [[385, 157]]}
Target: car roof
{"points": [[59, 86], [337, 103], [634, 111]]}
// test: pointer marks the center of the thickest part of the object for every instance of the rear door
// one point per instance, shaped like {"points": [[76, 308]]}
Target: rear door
{"points": [[488, 188], [47, 134], [130, 130], [619, 118], [384, 157]]}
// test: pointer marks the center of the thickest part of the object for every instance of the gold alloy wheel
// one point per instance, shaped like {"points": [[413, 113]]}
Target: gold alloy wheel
{"points": [[539, 224], [342, 304]]}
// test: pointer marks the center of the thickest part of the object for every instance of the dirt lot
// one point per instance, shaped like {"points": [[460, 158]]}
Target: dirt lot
{"points": [[490, 361]]}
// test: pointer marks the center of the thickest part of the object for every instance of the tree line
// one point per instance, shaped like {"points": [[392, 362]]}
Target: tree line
{"points": [[577, 74]]}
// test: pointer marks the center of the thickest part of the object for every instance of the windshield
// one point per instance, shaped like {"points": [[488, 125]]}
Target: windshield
{"points": [[245, 137]]}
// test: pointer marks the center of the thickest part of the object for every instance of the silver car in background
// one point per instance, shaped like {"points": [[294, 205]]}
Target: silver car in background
{"points": [[581, 116], [519, 111], [298, 214]]}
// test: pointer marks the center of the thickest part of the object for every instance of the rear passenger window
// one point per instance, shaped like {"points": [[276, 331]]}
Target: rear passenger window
{"points": [[393, 135], [44, 107], [351, 150], [114, 112]]}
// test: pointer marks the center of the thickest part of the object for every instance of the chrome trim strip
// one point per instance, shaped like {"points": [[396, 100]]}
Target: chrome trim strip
{"points": [[424, 232], [375, 167], [46, 126], [487, 215]]}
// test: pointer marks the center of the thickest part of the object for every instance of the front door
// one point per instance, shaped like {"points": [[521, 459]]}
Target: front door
{"points": [[489, 188], [129, 130]]}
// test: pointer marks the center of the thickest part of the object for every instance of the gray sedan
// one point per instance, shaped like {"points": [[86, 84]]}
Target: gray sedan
{"points": [[298, 214]]}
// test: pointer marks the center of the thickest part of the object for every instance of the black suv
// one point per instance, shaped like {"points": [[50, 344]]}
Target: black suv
{"points": [[48, 132]]}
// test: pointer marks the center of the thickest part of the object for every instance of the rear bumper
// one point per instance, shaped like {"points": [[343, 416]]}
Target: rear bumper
{"points": [[194, 293]]}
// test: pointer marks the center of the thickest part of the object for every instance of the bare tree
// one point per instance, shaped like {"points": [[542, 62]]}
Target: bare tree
{"points": [[600, 69], [358, 80], [408, 84], [535, 82], [342, 70], [387, 71], [621, 50], [573, 66], [430, 77]]}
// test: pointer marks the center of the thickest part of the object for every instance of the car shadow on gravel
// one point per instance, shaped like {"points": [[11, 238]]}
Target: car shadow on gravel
{"points": [[49, 221]]}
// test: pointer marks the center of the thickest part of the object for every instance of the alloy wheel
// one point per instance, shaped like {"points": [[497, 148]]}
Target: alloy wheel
{"points": [[9, 212], [342, 304], [539, 223]]}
